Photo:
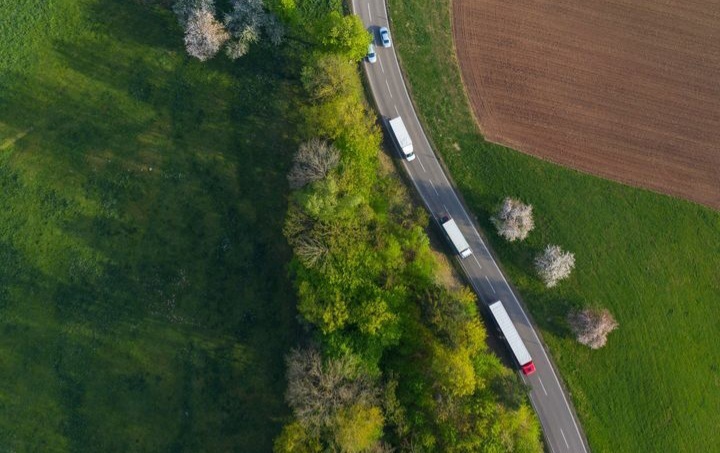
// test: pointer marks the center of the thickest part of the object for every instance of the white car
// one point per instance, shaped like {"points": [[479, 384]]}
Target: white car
{"points": [[371, 56], [385, 37]]}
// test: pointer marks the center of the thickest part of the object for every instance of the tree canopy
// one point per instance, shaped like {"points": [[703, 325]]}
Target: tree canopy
{"points": [[397, 360]]}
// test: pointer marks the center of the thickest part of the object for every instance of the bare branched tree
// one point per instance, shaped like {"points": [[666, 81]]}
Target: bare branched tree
{"points": [[247, 20], [554, 264], [308, 238], [297, 223], [184, 8], [591, 326], [240, 46], [317, 390], [204, 35], [514, 220], [310, 250], [312, 162]]}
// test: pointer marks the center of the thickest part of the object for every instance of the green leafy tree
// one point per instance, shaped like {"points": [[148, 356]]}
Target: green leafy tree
{"points": [[321, 203], [519, 430], [329, 76], [344, 35], [453, 370], [375, 314], [294, 438], [322, 306], [357, 428]]}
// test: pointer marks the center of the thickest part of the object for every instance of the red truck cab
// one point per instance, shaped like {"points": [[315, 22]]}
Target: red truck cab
{"points": [[528, 368]]}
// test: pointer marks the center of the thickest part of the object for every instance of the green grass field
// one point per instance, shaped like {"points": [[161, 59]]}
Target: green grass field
{"points": [[144, 298], [652, 260]]}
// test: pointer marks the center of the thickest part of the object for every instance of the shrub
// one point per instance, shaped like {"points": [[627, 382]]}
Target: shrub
{"points": [[554, 265], [592, 326], [514, 220]]}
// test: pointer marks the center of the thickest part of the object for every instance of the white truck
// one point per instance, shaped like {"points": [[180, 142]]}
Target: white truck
{"points": [[403, 138], [520, 352], [456, 237]]}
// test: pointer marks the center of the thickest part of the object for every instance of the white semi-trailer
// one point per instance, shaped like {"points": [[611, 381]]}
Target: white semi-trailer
{"points": [[522, 356], [403, 138], [456, 237]]}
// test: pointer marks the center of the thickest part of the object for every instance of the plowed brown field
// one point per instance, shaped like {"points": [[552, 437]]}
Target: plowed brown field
{"points": [[625, 89]]}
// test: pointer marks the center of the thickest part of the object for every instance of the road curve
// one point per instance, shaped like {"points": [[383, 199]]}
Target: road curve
{"points": [[560, 427]]}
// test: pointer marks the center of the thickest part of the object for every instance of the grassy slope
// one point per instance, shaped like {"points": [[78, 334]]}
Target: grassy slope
{"points": [[652, 260], [144, 304]]}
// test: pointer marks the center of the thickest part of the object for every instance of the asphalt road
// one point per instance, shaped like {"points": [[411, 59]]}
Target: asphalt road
{"points": [[560, 426]]}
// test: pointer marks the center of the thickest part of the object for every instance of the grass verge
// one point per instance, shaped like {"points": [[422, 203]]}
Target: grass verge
{"points": [[652, 260]]}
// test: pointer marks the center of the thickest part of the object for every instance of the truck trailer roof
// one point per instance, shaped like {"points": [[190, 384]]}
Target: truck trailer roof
{"points": [[512, 336], [401, 134], [456, 237]]}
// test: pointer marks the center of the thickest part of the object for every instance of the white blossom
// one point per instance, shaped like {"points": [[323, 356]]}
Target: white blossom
{"points": [[554, 264], [204, 35], [514, 220], [591, 327]]}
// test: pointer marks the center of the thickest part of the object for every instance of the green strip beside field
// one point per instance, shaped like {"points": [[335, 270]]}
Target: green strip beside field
{"points": [[651, 260]]}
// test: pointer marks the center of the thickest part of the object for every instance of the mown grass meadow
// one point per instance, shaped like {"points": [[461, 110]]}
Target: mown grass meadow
{"points": [[144, 297]]}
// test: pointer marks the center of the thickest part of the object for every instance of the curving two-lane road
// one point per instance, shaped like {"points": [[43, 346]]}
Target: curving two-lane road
{"points": [[560, 427]]}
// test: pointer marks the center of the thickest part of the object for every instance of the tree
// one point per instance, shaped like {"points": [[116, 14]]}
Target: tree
{"points": [[519, 430], [310, 250], [554, 265], [357, 428], [204, 35], [329, 76], [374, 315], [245, 23], [307, 237], [322, 305], [247, 20], [313, 161], [322, 202], [295, 439], [514, 220], [184, 8], [344, 35], [317, 391], [592, 326], [297, 222], [453, 370]]}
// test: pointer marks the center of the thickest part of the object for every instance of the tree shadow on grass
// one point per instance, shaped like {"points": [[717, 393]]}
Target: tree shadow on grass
{"points": [[172, 280], [148, 23]]}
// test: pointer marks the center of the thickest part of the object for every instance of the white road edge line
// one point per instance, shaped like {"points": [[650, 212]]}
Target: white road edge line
{"points": [[552, 370], [369, 13], [389, 90], [542, 385], [432, 185], [534, 334], [491, 286], [566, 442]]}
